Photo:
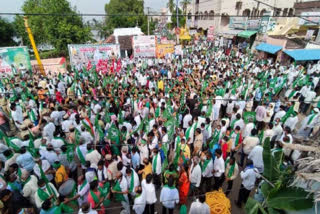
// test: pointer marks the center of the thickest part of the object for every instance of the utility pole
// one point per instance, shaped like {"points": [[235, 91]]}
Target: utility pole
{"points": [[177, 10], [148, 8]]}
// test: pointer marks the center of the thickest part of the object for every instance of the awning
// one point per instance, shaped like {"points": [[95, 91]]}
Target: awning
{"points": [[304, 54], [247, 33], [265, 47]]}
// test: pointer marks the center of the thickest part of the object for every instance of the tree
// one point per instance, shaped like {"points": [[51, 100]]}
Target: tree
{"points": [[126, 13], [171, 5], [58, 30], [7, 33], [184, 4], [182, 19]]}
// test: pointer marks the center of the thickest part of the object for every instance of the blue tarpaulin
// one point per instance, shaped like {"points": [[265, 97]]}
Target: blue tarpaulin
{"points": [[304, 54], [265, 47]]}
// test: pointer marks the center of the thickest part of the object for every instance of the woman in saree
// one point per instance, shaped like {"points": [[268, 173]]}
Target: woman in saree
{"points": [[184, 184]]}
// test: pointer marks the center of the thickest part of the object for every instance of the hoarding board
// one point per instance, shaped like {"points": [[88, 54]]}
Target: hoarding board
{"points": [[83, 53], [164, 49], [144, 46], [16, 56]]}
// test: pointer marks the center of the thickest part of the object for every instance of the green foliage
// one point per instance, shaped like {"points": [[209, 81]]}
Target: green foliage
{"points": [[279, 195], [58, 30], [271, 171], [133, 11], [253, 207], [182, 19], [7, 33], [290, 198]]}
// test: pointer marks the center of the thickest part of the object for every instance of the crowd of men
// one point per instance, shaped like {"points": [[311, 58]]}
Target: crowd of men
{"points": [[149, 131]]}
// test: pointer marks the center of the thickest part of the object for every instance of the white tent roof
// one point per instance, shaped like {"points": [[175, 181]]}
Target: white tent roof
{"points": [[127, 31]]}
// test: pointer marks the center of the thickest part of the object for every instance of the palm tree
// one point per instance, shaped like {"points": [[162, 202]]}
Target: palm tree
{"points": [[171, 5], [184, 4]]}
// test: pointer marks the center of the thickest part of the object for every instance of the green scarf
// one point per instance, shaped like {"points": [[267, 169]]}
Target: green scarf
{"points": [[232, 124], [94, 197], [81, 157], [119, 197], [169, 187], [154, 163], [237, 139], [188, 132], [132, 182], [13, 186], [231, 170], [311, 118], [42, 194], [291, 94], [204, 165]]}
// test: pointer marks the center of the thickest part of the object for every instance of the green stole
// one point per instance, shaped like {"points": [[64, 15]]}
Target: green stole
{"points": [[231, 170], [237, 138], [291, 94], [311, 118], [233, 122], [154, 163], [81, 157], [204, 165], [13, 186], [119, 197], [42, 194], [131, 189], [188, 132]]}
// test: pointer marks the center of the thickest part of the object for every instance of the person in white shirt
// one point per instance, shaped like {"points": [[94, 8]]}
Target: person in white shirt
{"points": [[291, 122], [169, 197], [132, 185], [261, 113], [124, 191], [86, 209], [102, 172], [48, 130], [16, 114], [280, 113], [248, 176], [150, 192], [248, 128], [200, 206], [156, 167], [186, 119], [206, 169], [195, 175], [93, 156], [277, 129], [268, 133], [139, 200], [218, 169], [256, 156]]}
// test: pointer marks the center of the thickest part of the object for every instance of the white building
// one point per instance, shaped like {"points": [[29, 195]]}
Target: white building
{"points": [[205, 13]]}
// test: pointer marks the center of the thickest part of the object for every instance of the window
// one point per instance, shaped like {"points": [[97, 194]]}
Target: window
{"points": [[211, 15]]}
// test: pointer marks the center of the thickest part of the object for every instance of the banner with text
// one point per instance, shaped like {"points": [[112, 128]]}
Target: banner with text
{"points": [[14, 56], [144, 46], [164, 49], [84, 53], [211, 33]]}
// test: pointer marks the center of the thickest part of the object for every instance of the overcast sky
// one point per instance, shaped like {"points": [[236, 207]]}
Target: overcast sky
{"points": [[84, 6]]}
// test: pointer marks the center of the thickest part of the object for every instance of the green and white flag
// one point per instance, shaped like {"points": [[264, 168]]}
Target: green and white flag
{"points": [[114, 134]]}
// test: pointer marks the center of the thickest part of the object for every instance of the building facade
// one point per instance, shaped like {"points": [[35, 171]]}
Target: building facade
{"points": [[205, 13]]}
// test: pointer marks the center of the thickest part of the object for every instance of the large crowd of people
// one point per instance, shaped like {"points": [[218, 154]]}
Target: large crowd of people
{"points": [[146, 131]]}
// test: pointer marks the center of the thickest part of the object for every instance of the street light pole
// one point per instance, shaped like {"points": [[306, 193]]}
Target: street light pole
{"points": [[177, 2]]}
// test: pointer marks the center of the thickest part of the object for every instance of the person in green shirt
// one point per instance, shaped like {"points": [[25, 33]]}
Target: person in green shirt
{"points": [[171, 171]]}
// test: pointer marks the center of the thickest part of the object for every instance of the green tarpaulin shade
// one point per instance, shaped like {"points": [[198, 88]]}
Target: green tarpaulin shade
{"points": [[246, 34]]}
